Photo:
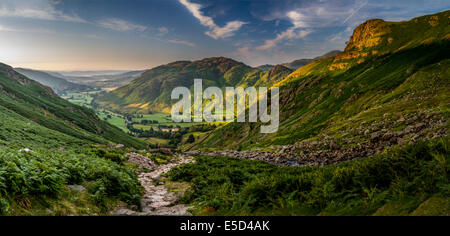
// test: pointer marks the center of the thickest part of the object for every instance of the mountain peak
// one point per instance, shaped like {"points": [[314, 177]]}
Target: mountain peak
{"points": [[217, 60], [364, 32], [279, 68], [223, 64]]}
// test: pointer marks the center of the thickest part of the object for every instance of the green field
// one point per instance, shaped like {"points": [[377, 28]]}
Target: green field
{"points": [[156, 141], [163, 119], [116, 119], [160, 117], [85, 98], [81, 98]]}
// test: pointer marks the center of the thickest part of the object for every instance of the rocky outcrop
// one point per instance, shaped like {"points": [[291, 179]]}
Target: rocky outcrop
{"points": [[364, 34], [164, 151], [143, 162]]}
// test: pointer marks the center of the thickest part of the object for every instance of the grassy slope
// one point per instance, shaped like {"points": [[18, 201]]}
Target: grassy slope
{"points": [[21, 98], [402, 72], [59, 85], [35, 181]]}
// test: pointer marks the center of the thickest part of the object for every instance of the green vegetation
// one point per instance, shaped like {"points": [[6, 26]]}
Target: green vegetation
{"points": [[190, 139], [43, 175], [388, 68], [80, 98], [151, 91], [159, 117], [48, 144], [414, 179], [113, 119], [157, 142], [55, 160], [24, 98]]}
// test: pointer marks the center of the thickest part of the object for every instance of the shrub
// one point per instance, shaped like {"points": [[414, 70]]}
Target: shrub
{"points": [[233, 186], [45, 173]]}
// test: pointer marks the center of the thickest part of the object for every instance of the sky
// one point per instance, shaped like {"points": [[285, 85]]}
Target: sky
{"points": [[141, 34]]}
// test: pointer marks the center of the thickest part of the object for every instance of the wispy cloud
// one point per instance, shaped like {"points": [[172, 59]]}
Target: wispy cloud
{"points": [[182, 42], [120, 25], [215, 31], [26, 30], [38, 9], [293, 32], [163, 31], [3, 28], [314, 15], [93, 36]]}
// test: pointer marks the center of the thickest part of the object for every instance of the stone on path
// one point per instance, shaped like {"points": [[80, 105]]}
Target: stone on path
{"points": [[158, 200]]}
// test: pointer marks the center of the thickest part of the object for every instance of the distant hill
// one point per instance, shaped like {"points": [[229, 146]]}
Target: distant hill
{"points": [[32, 115], [90, 73], [328, 54], [294, 65], [106, 80], [298, 63], [151, 91], [265, 67], [58, 84]]}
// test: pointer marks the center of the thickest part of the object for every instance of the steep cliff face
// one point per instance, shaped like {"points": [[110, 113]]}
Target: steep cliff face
{"points": [[367, 34], [378, 37]]}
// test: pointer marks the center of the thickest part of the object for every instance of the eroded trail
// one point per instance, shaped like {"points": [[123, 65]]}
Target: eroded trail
{"points": [[158, 200]]}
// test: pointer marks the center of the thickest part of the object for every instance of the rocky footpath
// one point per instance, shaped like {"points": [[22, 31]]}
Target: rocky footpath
{"points": [[362, 141], [143, 163], [157, 199]]}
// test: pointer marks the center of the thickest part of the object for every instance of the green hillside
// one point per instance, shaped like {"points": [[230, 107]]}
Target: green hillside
{"points": [[294, 65], [53, 154], [59, 85], [410, 180], [33, 113], [151, 91], [389, 79]]}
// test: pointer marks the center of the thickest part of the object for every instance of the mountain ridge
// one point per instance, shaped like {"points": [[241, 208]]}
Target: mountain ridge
{"points": [[60, 85], [23, 99], [151, 91]]}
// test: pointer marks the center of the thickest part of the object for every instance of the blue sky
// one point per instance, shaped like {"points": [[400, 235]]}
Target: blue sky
{"points": [[140, 34]]}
